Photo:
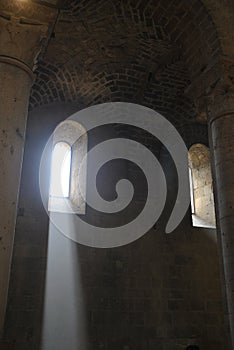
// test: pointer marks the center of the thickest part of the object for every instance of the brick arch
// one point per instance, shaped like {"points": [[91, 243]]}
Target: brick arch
{"points": [[138, 51], [186, 23], [164, 93]]}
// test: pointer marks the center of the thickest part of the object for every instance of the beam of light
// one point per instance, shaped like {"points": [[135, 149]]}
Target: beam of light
{"points": [[64, 315]]}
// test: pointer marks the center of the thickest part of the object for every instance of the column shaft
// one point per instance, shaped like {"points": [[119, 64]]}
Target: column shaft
{"points": [[14, 95], [222, 140]]}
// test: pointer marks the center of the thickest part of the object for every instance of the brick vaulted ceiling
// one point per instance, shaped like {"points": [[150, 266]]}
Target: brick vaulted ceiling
{"points": [[142, 51]]}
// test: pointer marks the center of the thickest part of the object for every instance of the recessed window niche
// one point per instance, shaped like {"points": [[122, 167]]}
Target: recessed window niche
{"points": [[68, 169], [201, 187]]}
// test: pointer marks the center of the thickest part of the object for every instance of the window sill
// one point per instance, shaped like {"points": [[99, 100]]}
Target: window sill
{"points": [[197, 221], [64, 205]]}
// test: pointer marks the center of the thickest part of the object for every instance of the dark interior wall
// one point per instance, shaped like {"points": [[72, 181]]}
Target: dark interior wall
{"points": [[159, 292]]}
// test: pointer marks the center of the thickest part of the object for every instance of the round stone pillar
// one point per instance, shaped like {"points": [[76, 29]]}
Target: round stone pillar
{"points": [[16, 81], [24, 31], [221, 130]]}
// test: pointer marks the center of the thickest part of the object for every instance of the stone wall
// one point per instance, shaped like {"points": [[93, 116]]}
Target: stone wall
{"points": [[161, 291]]}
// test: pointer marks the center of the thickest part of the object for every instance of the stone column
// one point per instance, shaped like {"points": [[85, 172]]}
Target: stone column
{"points": [[21, 40], [221, 131], [14, 94]]}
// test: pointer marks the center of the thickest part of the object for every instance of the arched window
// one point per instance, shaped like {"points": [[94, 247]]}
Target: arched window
{"points": [[201, 187], [68, 169], [60, 170]]}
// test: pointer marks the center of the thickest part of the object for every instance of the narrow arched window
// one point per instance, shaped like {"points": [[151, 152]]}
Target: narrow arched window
{"points": [[67, 192], [201, 186], [60, 170]]}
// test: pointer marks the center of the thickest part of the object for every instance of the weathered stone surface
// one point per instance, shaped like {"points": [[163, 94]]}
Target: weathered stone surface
{"points": [[161, 292]]}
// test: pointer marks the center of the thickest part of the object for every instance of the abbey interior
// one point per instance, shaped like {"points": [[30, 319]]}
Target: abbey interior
{"points": [[159, 292]]}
